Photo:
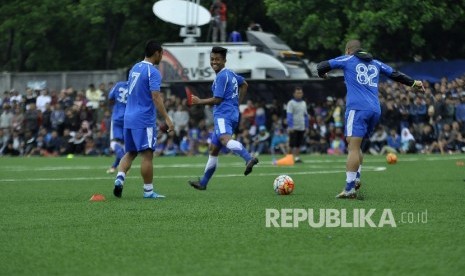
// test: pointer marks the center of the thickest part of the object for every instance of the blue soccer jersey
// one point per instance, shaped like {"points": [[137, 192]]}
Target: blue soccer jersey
{"points": [[226, 86], [119, 94], [361, 77], [144, 78]]}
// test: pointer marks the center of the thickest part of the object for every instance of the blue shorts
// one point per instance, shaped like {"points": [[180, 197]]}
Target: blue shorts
{"points": [[140, 139], [360, 123], [222, 126], [117, 131]]}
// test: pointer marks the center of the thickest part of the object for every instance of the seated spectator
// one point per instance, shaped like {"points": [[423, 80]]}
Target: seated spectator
{"points": [[448, 139], [316, 143], [53, 145], [427, 141], [246, 139], [235, 36], [3, 141], [184, 146], [261, 141], [337, 146], [38, 148], [378, 140], [279, 141], [394, 144], [408, 141], [254, 26], [170, 149], [15, 145]]}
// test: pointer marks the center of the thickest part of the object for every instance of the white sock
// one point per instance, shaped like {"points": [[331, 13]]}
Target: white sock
{"points": [[148, 188], [350, 176], [234, 145], [212, 162], [121, 176]]}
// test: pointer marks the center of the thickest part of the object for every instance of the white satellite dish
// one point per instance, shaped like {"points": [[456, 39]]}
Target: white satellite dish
{"points": [[184, 13]]}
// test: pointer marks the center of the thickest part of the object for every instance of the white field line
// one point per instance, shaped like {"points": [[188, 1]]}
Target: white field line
{"points": [[279, 170], [308, 164]]}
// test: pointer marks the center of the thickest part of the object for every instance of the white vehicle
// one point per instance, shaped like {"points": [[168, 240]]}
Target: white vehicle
{"points": [[264, 56]]}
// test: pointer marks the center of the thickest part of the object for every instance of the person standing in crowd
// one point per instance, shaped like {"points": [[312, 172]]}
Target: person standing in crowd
{"points": [[297, 123], [144, 102], [229, 90], [218, 11], [361, 74]]}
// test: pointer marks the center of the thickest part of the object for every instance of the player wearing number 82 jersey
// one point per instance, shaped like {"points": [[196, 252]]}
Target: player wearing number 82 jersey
{"points": [[361, 74]]}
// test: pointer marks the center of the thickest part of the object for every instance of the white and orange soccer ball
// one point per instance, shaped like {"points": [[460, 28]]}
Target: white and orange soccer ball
{"points": [[391, 158], [283, 185]]}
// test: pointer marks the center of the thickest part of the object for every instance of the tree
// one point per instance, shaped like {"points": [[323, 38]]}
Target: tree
{"points": [[393, 30]]}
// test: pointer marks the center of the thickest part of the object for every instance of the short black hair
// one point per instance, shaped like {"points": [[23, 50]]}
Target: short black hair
{"points": [[220, 50], [151, 47]]}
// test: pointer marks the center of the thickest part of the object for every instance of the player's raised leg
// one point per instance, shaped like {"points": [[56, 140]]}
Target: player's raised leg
{"points": [[210, 168], [225, 128]]}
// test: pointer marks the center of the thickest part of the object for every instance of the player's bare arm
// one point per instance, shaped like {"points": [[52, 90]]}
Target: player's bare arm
{"points": [[243, 91], [209, 101], [157, 98]]}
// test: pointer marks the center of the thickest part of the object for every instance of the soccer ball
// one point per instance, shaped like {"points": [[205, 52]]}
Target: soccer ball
{"points": [[391, 158], [283, 185]]}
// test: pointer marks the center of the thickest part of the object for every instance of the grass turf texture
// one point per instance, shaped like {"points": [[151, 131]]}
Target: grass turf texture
{"points": [[49, 226]]}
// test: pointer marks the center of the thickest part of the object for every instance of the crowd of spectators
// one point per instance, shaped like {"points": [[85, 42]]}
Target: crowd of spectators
{"points": [[57, 123]]}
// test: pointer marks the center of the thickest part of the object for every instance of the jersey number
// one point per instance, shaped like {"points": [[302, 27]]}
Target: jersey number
{"points": [[366, 75], [122, 95], [134, 77]]}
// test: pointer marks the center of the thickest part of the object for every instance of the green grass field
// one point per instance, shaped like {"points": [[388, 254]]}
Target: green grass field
{"points": [[49, 226]]}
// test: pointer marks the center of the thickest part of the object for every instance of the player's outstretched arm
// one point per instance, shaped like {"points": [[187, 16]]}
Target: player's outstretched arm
{"points": [[157, 98], [406, 80], [323, 68], [209, 101]]}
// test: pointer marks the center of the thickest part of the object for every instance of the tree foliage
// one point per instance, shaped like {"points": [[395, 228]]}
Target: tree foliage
{"points": [[50, 35], [392, 29]]}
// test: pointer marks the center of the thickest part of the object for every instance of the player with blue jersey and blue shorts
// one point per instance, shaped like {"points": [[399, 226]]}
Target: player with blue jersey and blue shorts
{"points": [[229, 90], [144, 101], [118, 98], [361, 75]]}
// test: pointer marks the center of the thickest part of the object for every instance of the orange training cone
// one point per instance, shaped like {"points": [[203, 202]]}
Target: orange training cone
{"points": [[97, 197], [287, 160]]}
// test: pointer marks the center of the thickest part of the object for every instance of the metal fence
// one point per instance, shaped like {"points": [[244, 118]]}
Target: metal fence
{"points": [[59, 80]]}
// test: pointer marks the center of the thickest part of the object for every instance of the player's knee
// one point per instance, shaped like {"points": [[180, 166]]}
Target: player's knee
{"points": [[224, 140]]}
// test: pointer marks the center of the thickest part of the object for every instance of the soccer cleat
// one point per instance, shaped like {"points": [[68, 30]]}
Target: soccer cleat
{"points": [[153, 195], [118, 190], [298, 160], [111, 170], [196, 185], [358, 184], [347, 195], [252, 162]]}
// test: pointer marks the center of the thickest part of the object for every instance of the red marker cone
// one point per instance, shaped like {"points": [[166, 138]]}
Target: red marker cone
{"points": [[97, 197]]}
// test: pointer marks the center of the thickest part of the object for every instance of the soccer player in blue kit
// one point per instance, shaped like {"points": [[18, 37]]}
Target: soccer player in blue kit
{"points": [[144, 101], [361, 75], [229, 90], [118, 98]]}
